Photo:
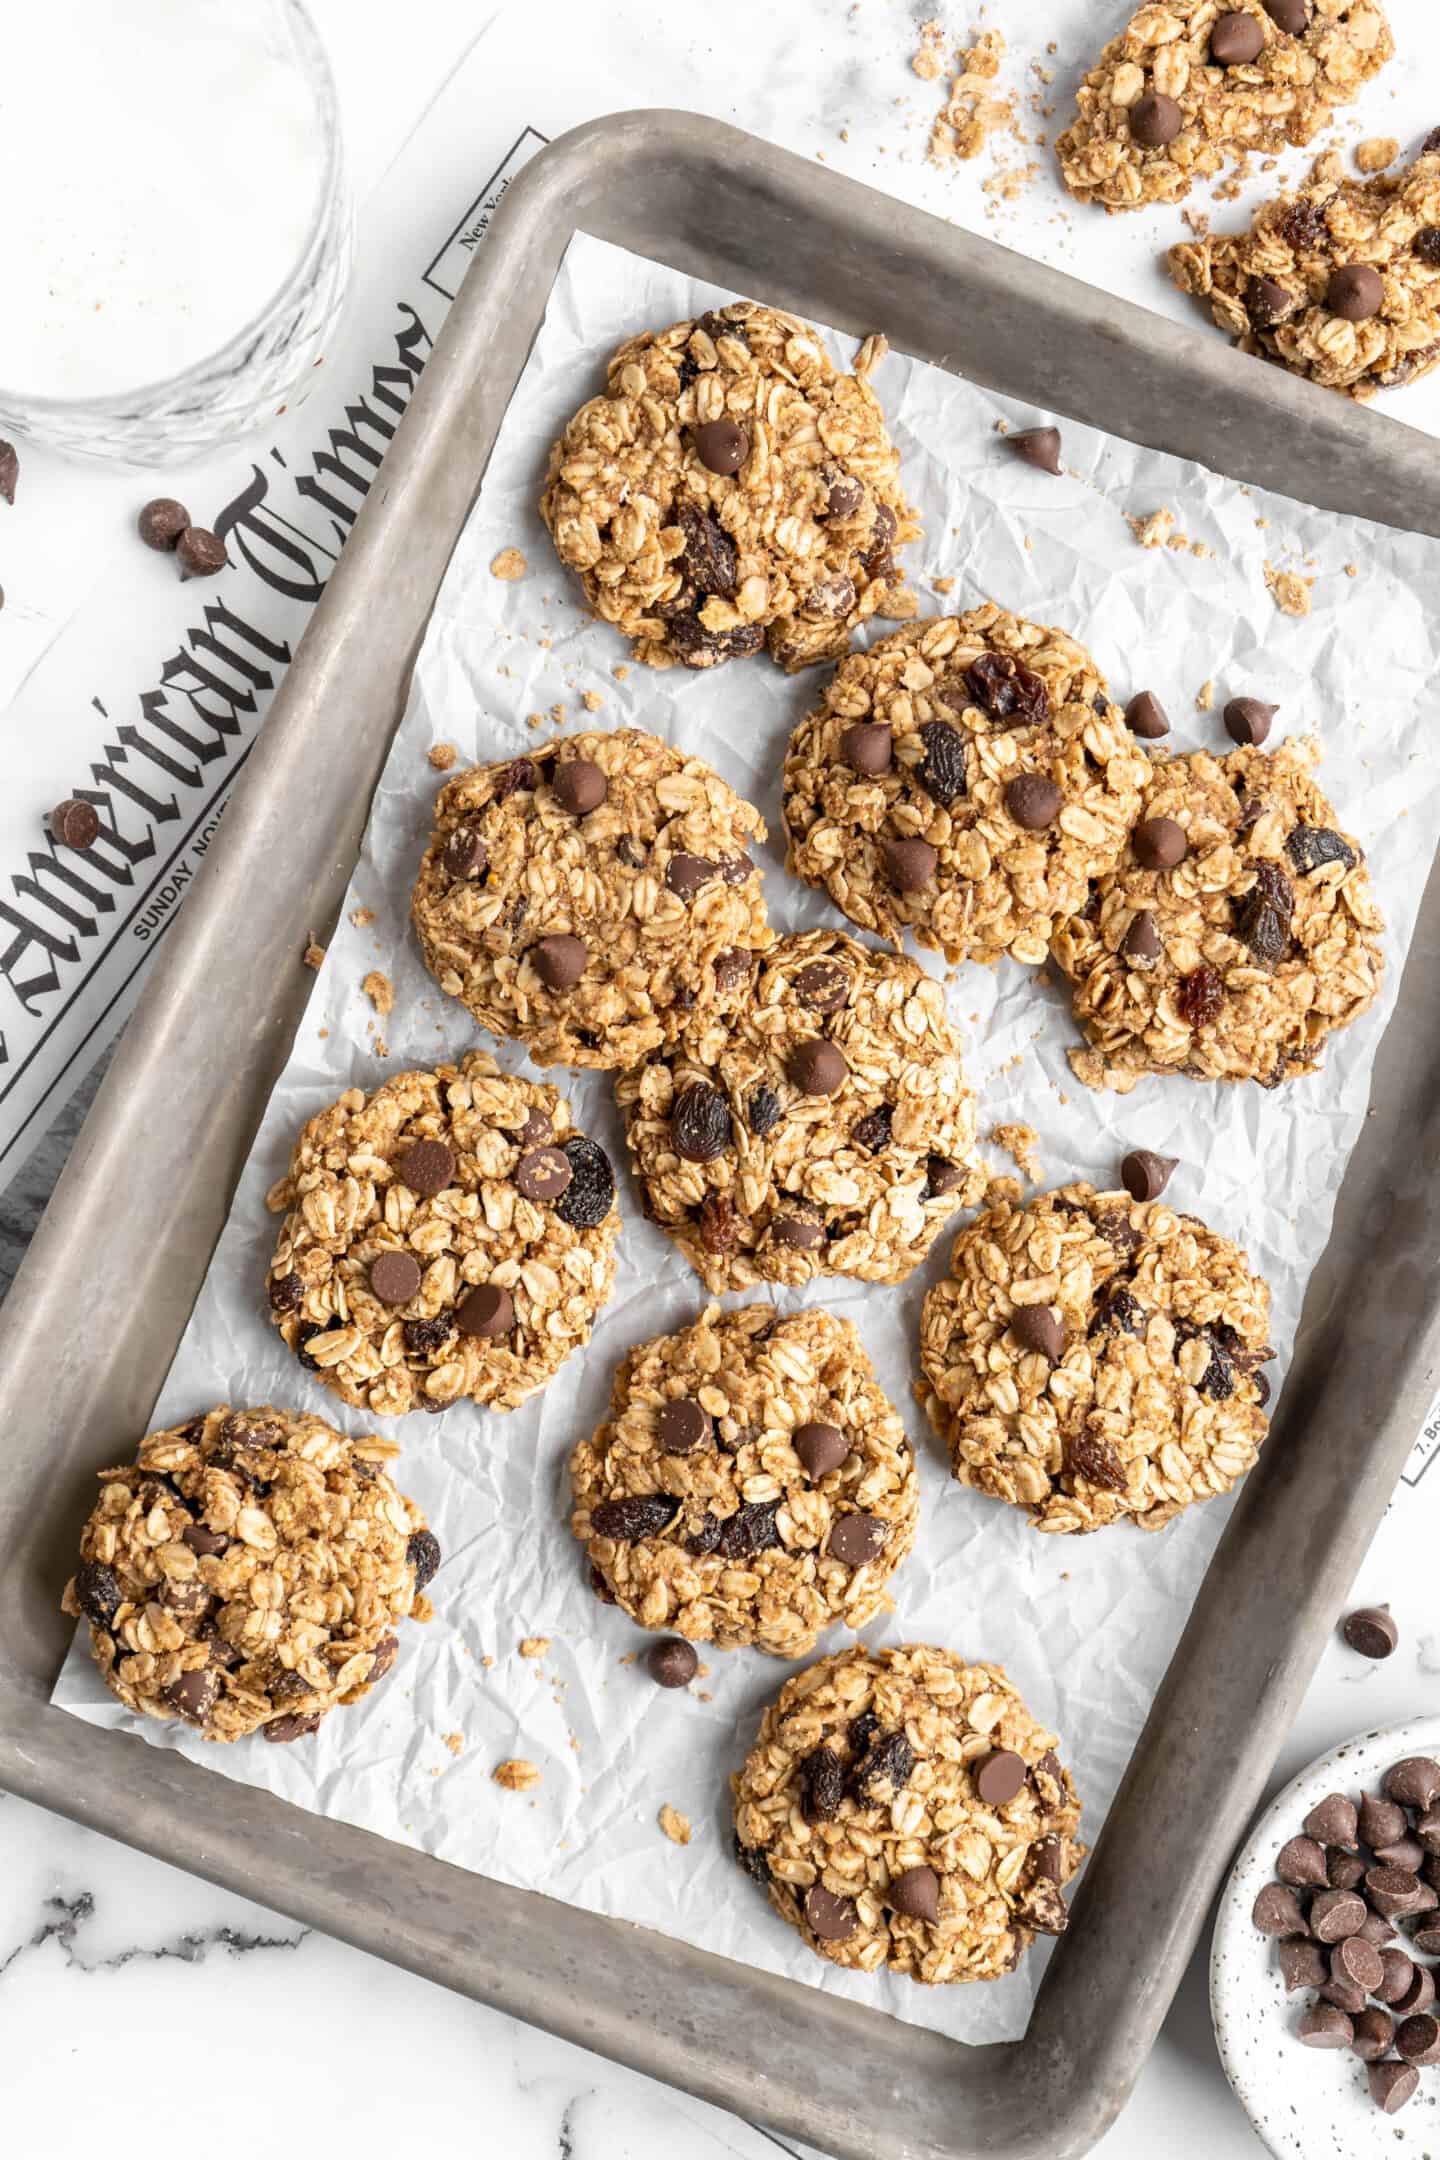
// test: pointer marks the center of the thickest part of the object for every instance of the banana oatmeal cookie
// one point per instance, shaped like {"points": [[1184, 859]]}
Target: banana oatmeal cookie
{"points": [[1193, 84], [827, 1129], [248, 1570], [588, 897], [731, 490], [1090, 1357], [963, 779], [1340, 282], [450, 1235], [752, 1484], [903, 1808], [1239, 932]]}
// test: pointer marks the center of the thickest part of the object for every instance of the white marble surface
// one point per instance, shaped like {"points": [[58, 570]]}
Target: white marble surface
{"points": [[139, 2007]]}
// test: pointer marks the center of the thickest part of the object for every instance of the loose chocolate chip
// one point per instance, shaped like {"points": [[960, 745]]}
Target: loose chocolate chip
{"points": [[74, 824], [394, 1277], [1236, 40], [1145, 1174], [1344, 1994], [1141, 941], [161, 523], [292, 1726], [685, 874], [1008, 691], [1358, 1962], [999, 1776], [9, 470], [1292, 16], [1037, 446], [762, 1112], [1415, 1782], [1159, 843], [844, 493], [1426, 1935], [1302, 1965], [1310, 846], [286, 1291], [833, 1919], [1391, 2083], [590, 1195], [1427, 1829], [1397, 1972], [1033, 801], [874, 1131], [909, 863], [199, 552], [1418, 2038], [672, 1663], [427, 1168], [97, 1592], [1037, 1327], [1377, 1930], [488, 1311], [1380, 1821], [817, 1067], [916, 1892], [801, 1232], [580, 786], [640, 1515], [721, 446], [194, 1694], [1335, 1914], [1402, 1852], [543, 1174], [1301, 1863], [1155, 120], [1419, 1995], [1372, 1633], [709, 560], [465, 853], [700, 1129], [868, 748], [682, 1426], [1355, 292], [1200, 997], [822, 1785], [941, 772], [857, 1539], [821, 1448], [1146, 717], [1392, 1891], [1247, 719], [559, 961], [823, 985], [1267, 301], [1325, 2026], [1344, 1871]]}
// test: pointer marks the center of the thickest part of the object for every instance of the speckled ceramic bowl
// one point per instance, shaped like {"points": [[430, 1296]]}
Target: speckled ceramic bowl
{"points": [[1307, 2102]]}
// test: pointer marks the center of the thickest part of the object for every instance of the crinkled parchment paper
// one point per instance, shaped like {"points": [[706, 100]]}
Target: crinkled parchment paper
{"points": [[1085, 1625]]}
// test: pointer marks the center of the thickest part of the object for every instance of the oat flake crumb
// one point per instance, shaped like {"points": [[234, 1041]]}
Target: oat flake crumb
{"points": [[1375, 153], [314, 955], [362, 917], [380, 991], [1352, 569], [455, 1741], [1153, 531], [675, 1825], [1205, 696], [442, 755], [943, 585], [1289, 591], [509, 566], [534, 1646], [1021, 1143], [591, 700], [972, 112], [516, 1775]]}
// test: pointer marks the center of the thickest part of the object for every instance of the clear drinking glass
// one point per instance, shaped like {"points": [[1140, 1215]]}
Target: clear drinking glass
{"points": [[186, 248]]}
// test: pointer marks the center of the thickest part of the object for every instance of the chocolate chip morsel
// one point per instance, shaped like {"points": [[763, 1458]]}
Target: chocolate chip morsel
{"points": [[1374, 2032], [9, 470], [1302, 1964], [394, 1277], [672, 1663], [580, 785], [868, 748], [1276, 1911], [1146, 717], [486, 1313], [200, 553], [1155, 120], [817, 1067], [1357, 1961], [1038, 1327], [560, 961], [161, 523], [1415, 1782], [1334, 1821], [1236, 40], [427, 1168], [1037, 446], [682, 1426], [1418, 2038], [74, 824], [1356, 292], [1325, 2026], [910, 864], [1372, 1633], [832, 1918], [1033, 801], [1301, 1863], [1392, 2083], [1247, 719], [820, 1447], [1159, 843], [1144, 1174], [307, 1505], [823, 1799], [1141, 942]]}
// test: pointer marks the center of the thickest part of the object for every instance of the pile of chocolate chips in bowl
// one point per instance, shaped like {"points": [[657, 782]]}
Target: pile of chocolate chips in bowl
{"points": [[1360, 1873]]}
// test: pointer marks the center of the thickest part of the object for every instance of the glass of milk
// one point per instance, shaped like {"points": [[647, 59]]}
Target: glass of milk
{"points": [[175, 245]]}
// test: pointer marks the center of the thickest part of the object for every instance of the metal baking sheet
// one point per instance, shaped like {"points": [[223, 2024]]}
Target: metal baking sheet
{"points": [[721, 205]]}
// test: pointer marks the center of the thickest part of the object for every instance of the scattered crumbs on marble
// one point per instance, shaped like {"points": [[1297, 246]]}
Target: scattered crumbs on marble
{"points": [[442, 755], [620, 671], [509, 566], [591, 700], [534, 1646], [943, 585], [1290, 592], [324, 1034], [1029, 545], [486, 1660], [381, 1047], [380, 991], [314, 953], [557, 714], [362, 917], [675, 1825], [1154, 530], [1205, 696], [515, 1774], [1021, 1143], [455, 1741], [1352, 569], [534, 719]]}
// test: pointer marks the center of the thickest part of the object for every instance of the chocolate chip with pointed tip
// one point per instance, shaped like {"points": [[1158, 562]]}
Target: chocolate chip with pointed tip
{"points": [[1033, 801], [1037, 1327], [559, 961], [1301, 1863], [1247, 719], [915, 1893], [1302, 1964], [1142, 941], [1267, 301], [820, 1447], [1146, 717], [1391, 2082], [1356, 292], [200, 553], [1414, 1781], [817, 1067], [1292, 16], [1155, 120], [1325, 2026], [161, 523], [722, 446], [832, 1918], [579, 786], [911, 864], [1276, 1910], [1144, 1174], [1159, 843], [193, 1694], [1334, 1821], [465, 853], [1038, 446], [868, 748], [1236, 40]]}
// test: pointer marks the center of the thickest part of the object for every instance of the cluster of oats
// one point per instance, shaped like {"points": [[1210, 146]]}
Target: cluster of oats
{"points": [[826, 1128], [915, 792], [1138, 1392], [972, 110], [1209, 113], [591, 935], [356, 1235], [752, 1484], [861, 1810], [732, 490], [247, 1572], [1238, 962], [1270, 287]]}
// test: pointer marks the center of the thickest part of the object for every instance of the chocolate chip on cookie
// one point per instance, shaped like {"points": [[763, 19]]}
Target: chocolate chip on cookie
{"points": [[1159, 843], [543, 1174], [721, 446], [682, 1426], [911, 863], [1155, 120], [427, 1168], [1355, 292], [395, 1277], [868, 748], [1037, 1327], [999, 1776], [820, 1447], [487, 1312], [1033, 801], [580, 786], [817, 1067], [1236, 40], [560, 961]]}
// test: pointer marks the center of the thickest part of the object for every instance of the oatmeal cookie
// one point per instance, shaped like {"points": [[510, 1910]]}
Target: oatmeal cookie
{"points": [[1192, 84], [588, 897], [449, 1236], [1091, 1357], [1340, 282], [963, 779], [751, 1485], [1238, 933], [732, 490], [903, 1808], [247, 1572], [828, 1129]]}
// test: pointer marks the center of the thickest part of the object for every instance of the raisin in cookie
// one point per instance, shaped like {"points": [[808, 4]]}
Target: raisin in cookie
{"points": [[450, 1235], [964, 779], [588, 897], [1340, 282], [1090, 1357], [902, 1808], [751, 1485], [826, 1129], [1192, 84], [731, 490], [248, 1570], [1236, 935]]}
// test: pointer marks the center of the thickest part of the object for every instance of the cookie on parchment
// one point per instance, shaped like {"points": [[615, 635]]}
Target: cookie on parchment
{"points": [[902, 1808], [751, 1485], [450, 1236], [248, 1572], [1091, 1358], [732, 490], [588, 897], [1238, 932], [826, 1128], [964, 780]]}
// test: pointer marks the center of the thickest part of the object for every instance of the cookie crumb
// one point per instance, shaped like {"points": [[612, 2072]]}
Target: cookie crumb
{"points": [[509, 566], [675, 1825], [1020, 1143], [972, 112], [1205, 696], [1375, 153], [928, 62], [455, 1741], [1003, 1192], [442, 755], [380, 991], [942, 585], [1153, 531], [591, 700], [620, 671], [535, 719], [1289, 591], [362, 917], [314, 954], [534, 1646], [1352, 569], [516, 1775], [486, 1660]]}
